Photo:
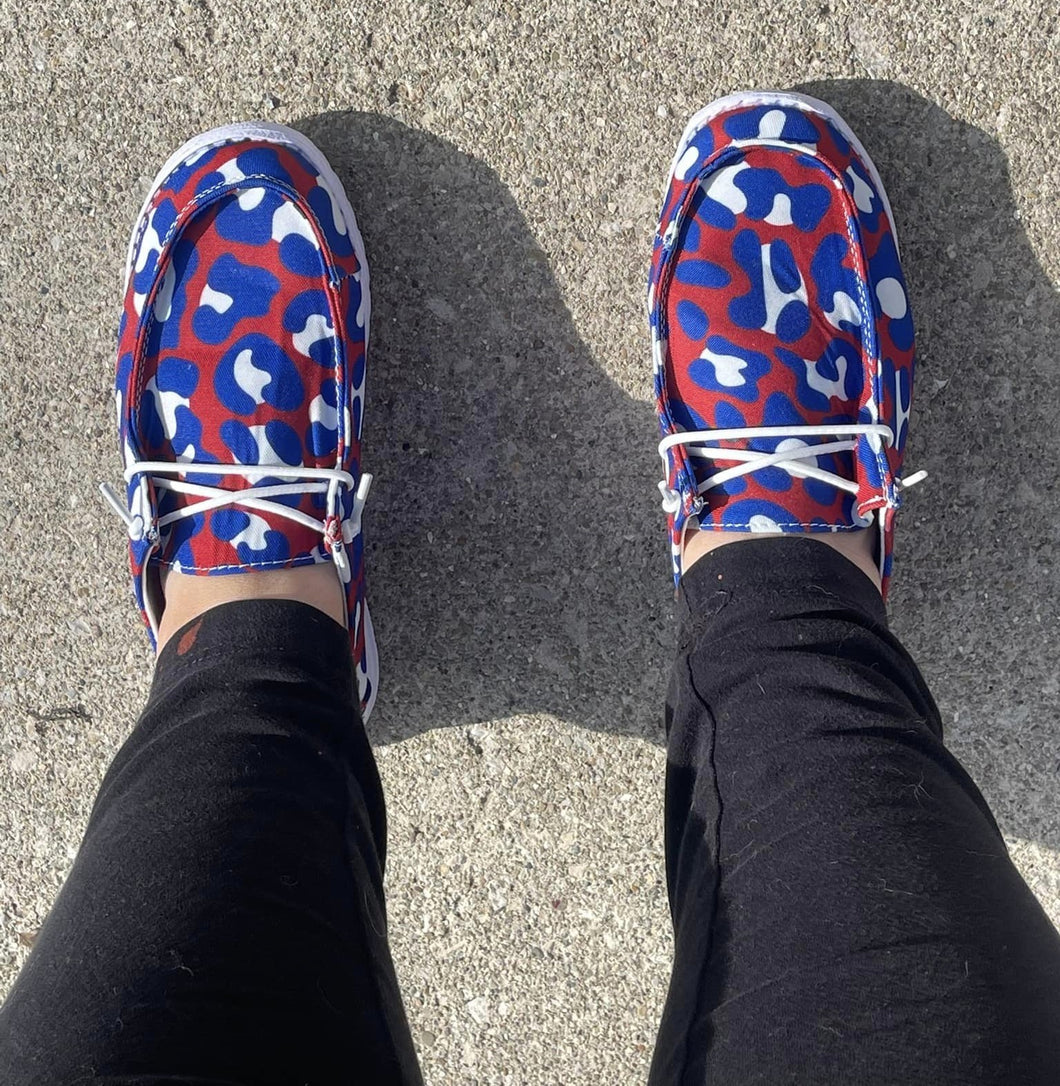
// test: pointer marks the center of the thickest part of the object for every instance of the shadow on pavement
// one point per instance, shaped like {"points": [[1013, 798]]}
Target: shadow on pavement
{"points": [[516, 554], [978, 575]]}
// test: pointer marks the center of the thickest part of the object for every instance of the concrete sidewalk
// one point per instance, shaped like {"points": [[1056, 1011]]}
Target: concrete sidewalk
{"points": [[506, 161]]}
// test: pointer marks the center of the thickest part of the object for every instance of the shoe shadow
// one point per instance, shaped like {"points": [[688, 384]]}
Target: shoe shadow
{"points": [[977, 576], [516, 555]]}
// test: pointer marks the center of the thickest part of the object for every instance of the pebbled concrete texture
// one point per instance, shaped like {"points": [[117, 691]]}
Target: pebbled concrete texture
{"points": [[506, 162]]}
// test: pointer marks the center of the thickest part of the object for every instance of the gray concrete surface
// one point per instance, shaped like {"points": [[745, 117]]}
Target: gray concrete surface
{"points": [[506, 160]]}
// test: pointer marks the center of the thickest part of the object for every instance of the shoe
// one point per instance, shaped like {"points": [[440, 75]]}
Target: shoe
{"points": [[241, 367], [782, 337]]}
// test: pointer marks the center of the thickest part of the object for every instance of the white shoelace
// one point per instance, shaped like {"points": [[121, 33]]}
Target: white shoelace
{"points": [[787, 459], [330, 481]]}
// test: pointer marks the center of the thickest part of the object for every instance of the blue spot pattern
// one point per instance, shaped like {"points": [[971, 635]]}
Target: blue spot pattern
{"points": [[830, 276], [797, 128], [226, 524], [164, 335], [320, 202], [749, 310], [704, 374], [178, 543], [181, 377], [251, 290], [869, 219], [703, 208], [885, 265], [301, 308], [692, 319], [162, 220], [319, 439], [702, 273], [284, 390], [241, 443], [827, 366], [258, 160], [762, 186], [252, 226], [300, 256]]}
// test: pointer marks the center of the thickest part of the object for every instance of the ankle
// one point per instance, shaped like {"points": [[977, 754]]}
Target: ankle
{"points": [[188, 596], [858, 547]]}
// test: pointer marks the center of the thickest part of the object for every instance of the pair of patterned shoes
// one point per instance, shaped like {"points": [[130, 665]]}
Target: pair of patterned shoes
{"points": [[781, 335]]}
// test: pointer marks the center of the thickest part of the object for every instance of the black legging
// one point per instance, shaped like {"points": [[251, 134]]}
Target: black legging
{"points": [[844, 906]]}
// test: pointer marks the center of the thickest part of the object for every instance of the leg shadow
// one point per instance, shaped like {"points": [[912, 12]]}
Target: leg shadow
{"points": [[516, 553], [977, 571]]}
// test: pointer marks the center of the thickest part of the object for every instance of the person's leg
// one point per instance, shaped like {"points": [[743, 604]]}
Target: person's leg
{"points": [[844, 907], [224, 920]]}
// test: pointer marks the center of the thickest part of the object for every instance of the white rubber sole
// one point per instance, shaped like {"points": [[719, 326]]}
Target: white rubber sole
{"points": [[268, 132], [751, 99]]}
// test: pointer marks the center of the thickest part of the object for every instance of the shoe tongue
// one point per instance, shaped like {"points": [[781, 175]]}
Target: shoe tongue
{"points": [[241, 369], [764, 329]]}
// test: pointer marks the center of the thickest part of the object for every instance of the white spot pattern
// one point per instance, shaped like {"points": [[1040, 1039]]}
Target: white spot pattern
{"points": [[166, 404], [780, 212], [720, 187], [844, 308], [687, 160], [863, 194], [771, 125], [892, 298], [248, 199], [150, 243], [358, 278], [728, 368], [231, 172], [791, 444], [253, 535], [164, 298], [266, 453], [287, 219], [776, 299], [336, 208], [317, 327], [827, 386], [320, 411], [215, 299], [902, 408], [249, 378]]}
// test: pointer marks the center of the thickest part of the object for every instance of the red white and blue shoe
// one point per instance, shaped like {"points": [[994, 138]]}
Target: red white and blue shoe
{"points": [[241, 367], [782, 337]]}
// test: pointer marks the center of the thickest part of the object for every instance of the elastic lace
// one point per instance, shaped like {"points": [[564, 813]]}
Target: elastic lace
{"points": [[751, 460], [336, 531]]}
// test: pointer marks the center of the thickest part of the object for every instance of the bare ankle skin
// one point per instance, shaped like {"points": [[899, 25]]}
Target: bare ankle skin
{"points": [[188, 596], [855, 546]]}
